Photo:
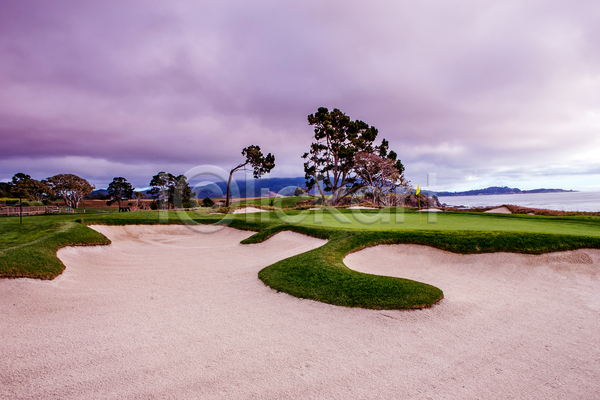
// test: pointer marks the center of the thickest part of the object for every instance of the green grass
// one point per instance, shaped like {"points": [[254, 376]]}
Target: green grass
{"points": [[277, 202], [457, 221], [29, 250], [321, 275]]}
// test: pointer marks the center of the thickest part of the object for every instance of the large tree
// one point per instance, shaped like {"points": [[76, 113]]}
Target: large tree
{"points": [[255, 159], [331, 156], [71, 188], [25, 186], [120, 189], [162, 184], [379, 176], [182, 192]]}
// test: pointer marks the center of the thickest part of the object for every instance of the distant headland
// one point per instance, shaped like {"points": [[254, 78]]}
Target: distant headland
{"points": [[500, 190]]}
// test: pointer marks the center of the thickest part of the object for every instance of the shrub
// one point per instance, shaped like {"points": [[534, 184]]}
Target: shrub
{"points": [[33, 204], [154, 205], [207, 202]]}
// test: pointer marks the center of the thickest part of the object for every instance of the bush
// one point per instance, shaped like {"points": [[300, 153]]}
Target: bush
{"points": [[154, 205], [32, 204], [298, 191], [207, 202]]}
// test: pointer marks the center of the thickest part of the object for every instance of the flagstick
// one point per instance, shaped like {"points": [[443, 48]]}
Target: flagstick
{"points": [[419, 200]]}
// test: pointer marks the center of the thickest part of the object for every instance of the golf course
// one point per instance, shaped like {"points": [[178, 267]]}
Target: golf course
{"points": [[298, 303], [29, 249]]}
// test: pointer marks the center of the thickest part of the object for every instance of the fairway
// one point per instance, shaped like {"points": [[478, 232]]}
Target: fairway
{"points": [[441, 221]]}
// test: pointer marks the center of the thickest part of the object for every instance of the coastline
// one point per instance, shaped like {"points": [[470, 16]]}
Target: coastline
{"points": [[559, 201]]}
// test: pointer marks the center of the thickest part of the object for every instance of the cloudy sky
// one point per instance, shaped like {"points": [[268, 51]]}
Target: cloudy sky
{"points": [[480, 92]]}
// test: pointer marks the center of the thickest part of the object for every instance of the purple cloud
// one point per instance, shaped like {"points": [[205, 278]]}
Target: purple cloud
{"points": [[473, 90]]}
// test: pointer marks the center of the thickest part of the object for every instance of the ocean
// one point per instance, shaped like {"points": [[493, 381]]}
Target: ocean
{"points": [[562, 201]]}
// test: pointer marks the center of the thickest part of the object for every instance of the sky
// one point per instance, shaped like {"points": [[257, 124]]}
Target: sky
{"points": [[481, 93]]}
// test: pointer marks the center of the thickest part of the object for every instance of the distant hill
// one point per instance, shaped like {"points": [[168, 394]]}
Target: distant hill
{"points": [[500, 190], [273, 186], [282, 186]]}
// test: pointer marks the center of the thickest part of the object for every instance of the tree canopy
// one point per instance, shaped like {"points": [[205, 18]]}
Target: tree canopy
{"points": [[331, 157], [161, 184], [70, 187], [23, 185], [120, 189], [182, 192], [255, 159]]}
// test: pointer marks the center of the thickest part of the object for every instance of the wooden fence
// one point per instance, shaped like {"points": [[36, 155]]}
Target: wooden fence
{"points": [[32, 210]]}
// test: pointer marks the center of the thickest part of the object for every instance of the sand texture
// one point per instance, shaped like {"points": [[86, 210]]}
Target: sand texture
{"points": [[509, 326], [246, 210], [167, 313], [499, 210]]}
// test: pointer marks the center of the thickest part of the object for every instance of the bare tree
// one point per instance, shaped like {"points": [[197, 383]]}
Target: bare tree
{"points": [[378, 176]]}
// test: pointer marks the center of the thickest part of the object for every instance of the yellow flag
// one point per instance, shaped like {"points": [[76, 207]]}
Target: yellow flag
{"points": [[418, 189]]}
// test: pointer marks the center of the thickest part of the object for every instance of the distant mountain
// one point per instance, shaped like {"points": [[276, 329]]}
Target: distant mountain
{"points": [[270, 186], [500, 190], [102, 194], [98, 194]]}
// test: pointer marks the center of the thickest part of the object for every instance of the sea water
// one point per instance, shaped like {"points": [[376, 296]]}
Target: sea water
{"points": [[561, 201]]}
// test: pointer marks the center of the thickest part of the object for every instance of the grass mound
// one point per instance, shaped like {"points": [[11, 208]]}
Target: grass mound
{"points": [[37, 258], [321, 275]]}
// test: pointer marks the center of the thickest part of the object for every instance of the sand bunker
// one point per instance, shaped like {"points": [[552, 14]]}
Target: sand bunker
{"points": [[165, 312], [499, 210], [362, 208], [248, 210]]}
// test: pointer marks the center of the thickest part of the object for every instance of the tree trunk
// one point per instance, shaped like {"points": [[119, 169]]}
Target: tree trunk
{"points": [[320, 190], [229, 183], [229, 188]]}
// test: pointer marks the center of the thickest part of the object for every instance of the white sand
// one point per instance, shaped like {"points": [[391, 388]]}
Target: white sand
{"points": [[499, 210], [510, 325], [248, 210], [362, 208], [164, 312]]}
